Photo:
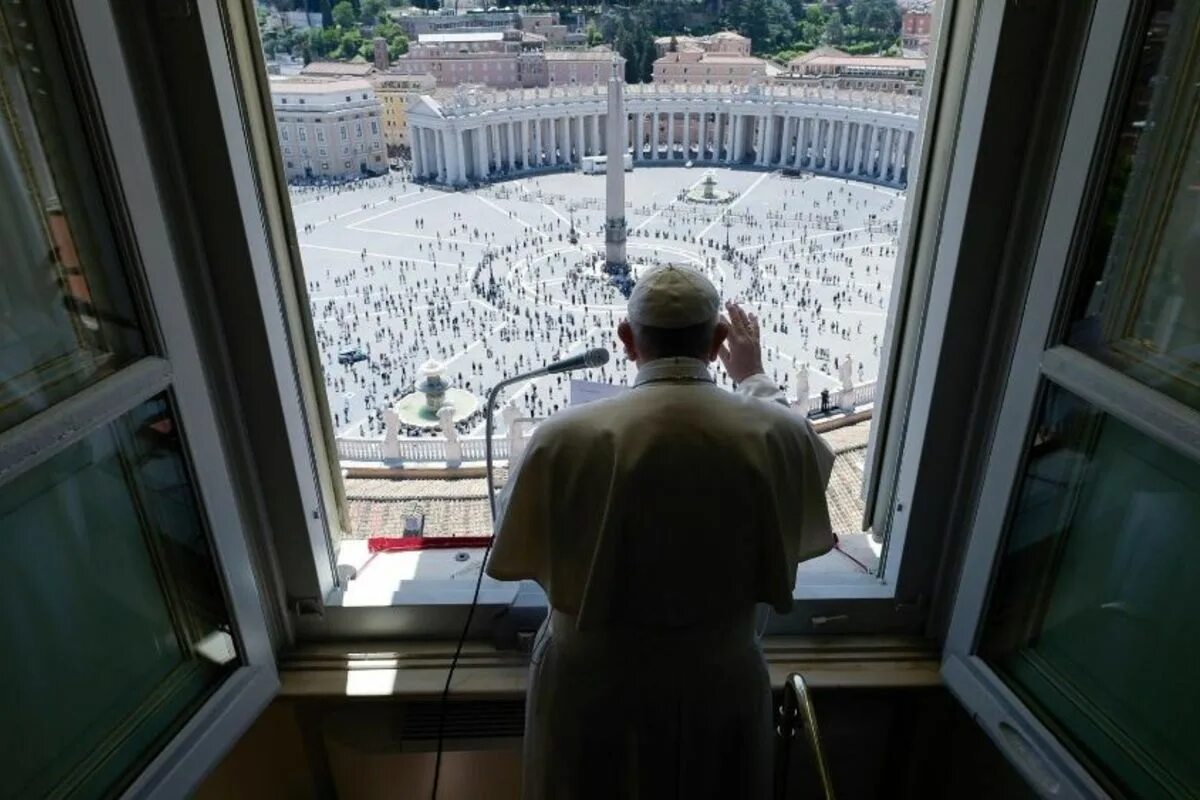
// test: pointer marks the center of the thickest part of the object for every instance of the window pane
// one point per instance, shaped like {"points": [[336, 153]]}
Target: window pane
{"points": [[1094, 617], [113, 614], [1139, 302], [66, 318]]}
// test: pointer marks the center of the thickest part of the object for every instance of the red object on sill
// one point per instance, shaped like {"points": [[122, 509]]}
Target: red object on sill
{"points": [[397, 544]]}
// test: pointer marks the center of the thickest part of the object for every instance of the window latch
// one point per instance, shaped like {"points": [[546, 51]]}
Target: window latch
{"points": [[306, 606]]}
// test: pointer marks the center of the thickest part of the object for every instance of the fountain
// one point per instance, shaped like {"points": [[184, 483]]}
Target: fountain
{"points": [[707, 192], [425, 407]]}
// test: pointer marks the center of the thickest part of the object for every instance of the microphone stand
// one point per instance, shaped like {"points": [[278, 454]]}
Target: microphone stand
{"points": [[488, 429], [489, 425], [590, 358]]}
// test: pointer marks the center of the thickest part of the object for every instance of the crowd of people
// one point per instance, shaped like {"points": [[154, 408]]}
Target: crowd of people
{"points": [[493, 301]]}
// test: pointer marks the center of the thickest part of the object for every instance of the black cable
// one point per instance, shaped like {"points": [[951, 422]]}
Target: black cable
{"points": [[489, 425]]}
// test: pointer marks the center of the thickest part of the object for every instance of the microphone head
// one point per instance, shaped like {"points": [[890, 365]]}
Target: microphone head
{"points": [[596, 357]]}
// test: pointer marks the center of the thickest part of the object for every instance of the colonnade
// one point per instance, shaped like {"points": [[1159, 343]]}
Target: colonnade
{"points": [[498, 141]]}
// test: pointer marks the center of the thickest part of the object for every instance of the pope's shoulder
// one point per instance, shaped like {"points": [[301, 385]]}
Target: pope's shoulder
{"points": [[601, 416]]}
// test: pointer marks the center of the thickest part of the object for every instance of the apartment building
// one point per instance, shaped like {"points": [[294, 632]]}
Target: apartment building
{"points": [[328, 129]]}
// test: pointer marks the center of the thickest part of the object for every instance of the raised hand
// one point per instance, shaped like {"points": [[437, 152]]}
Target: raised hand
{"points": [[742, 351]]}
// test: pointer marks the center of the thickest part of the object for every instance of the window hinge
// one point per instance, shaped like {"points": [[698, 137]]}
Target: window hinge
{"points": [[306, 606]]}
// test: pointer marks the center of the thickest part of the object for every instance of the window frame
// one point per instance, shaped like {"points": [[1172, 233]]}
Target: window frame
{"points": [[95, 57], [936, 218], [1040, 363]]}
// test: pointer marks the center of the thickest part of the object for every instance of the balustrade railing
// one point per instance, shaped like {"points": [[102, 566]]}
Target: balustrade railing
{"points": [[435, 450]]}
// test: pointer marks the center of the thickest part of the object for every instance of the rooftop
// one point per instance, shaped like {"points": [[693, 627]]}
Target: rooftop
{"points": [[461, 36], [580, 55], [710, 58], [335, 68], [303, 85], [830, 57]]}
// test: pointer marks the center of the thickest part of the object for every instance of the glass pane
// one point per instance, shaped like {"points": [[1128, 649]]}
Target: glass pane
{"points": [[113, 614], [66, 318], [1095, 620], [1138, 307]]}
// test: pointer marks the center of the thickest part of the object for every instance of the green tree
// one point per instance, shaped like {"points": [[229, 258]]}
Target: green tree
{"points": [[648, 55], [344, 15], [351, 44], [593, 34], [835, 31], [397, 45], [372, 11]]}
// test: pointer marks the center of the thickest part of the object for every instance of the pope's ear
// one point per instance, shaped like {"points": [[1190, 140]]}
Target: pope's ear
{"points": [[625, 334], [720, 334]]}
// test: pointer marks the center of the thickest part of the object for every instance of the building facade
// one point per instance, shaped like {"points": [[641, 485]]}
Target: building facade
{"points": [[916, 30], [728, 42], [695, 67], [499, 59], [546, 25], [328, 129], [582, 67], [834, 69], [416, 24], [395, 92], [476, 135], [502, 60]]}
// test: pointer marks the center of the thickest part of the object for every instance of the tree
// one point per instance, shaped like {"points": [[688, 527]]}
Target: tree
{"points": [[593, 34], [397, 45], [322, 6], [350, 45], [648, 55], [835, 32], [344, 15], [372, 11]]}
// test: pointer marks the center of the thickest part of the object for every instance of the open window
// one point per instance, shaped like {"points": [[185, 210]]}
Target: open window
{"points": [[1074, 633], [471, 243], [140, 648]]}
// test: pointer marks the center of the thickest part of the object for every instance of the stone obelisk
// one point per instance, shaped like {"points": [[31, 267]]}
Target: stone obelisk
{"points": [[615, 138]]}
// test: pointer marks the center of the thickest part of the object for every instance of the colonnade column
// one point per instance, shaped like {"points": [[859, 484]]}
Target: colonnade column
{"points": [[702, 144], [439, 145], [415, 135], [687, 135], [885, 156], [511, 146], [845, 146], [460, 156], [864, 133], [638, 120]]}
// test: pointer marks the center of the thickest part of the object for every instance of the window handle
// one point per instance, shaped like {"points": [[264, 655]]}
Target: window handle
{"points": [[1022, 751]]}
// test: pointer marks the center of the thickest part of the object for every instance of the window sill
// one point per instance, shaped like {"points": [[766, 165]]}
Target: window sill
{"points": [[417, 670], [447, 576]]}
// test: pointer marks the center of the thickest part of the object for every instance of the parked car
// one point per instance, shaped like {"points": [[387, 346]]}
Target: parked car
{"points": [[352, 355]]}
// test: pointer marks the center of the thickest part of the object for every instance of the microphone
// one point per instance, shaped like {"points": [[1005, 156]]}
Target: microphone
{"points": [[596, 357]]}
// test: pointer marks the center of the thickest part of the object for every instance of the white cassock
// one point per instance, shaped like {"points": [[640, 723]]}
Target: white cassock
{"points": [[655, 521]]}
